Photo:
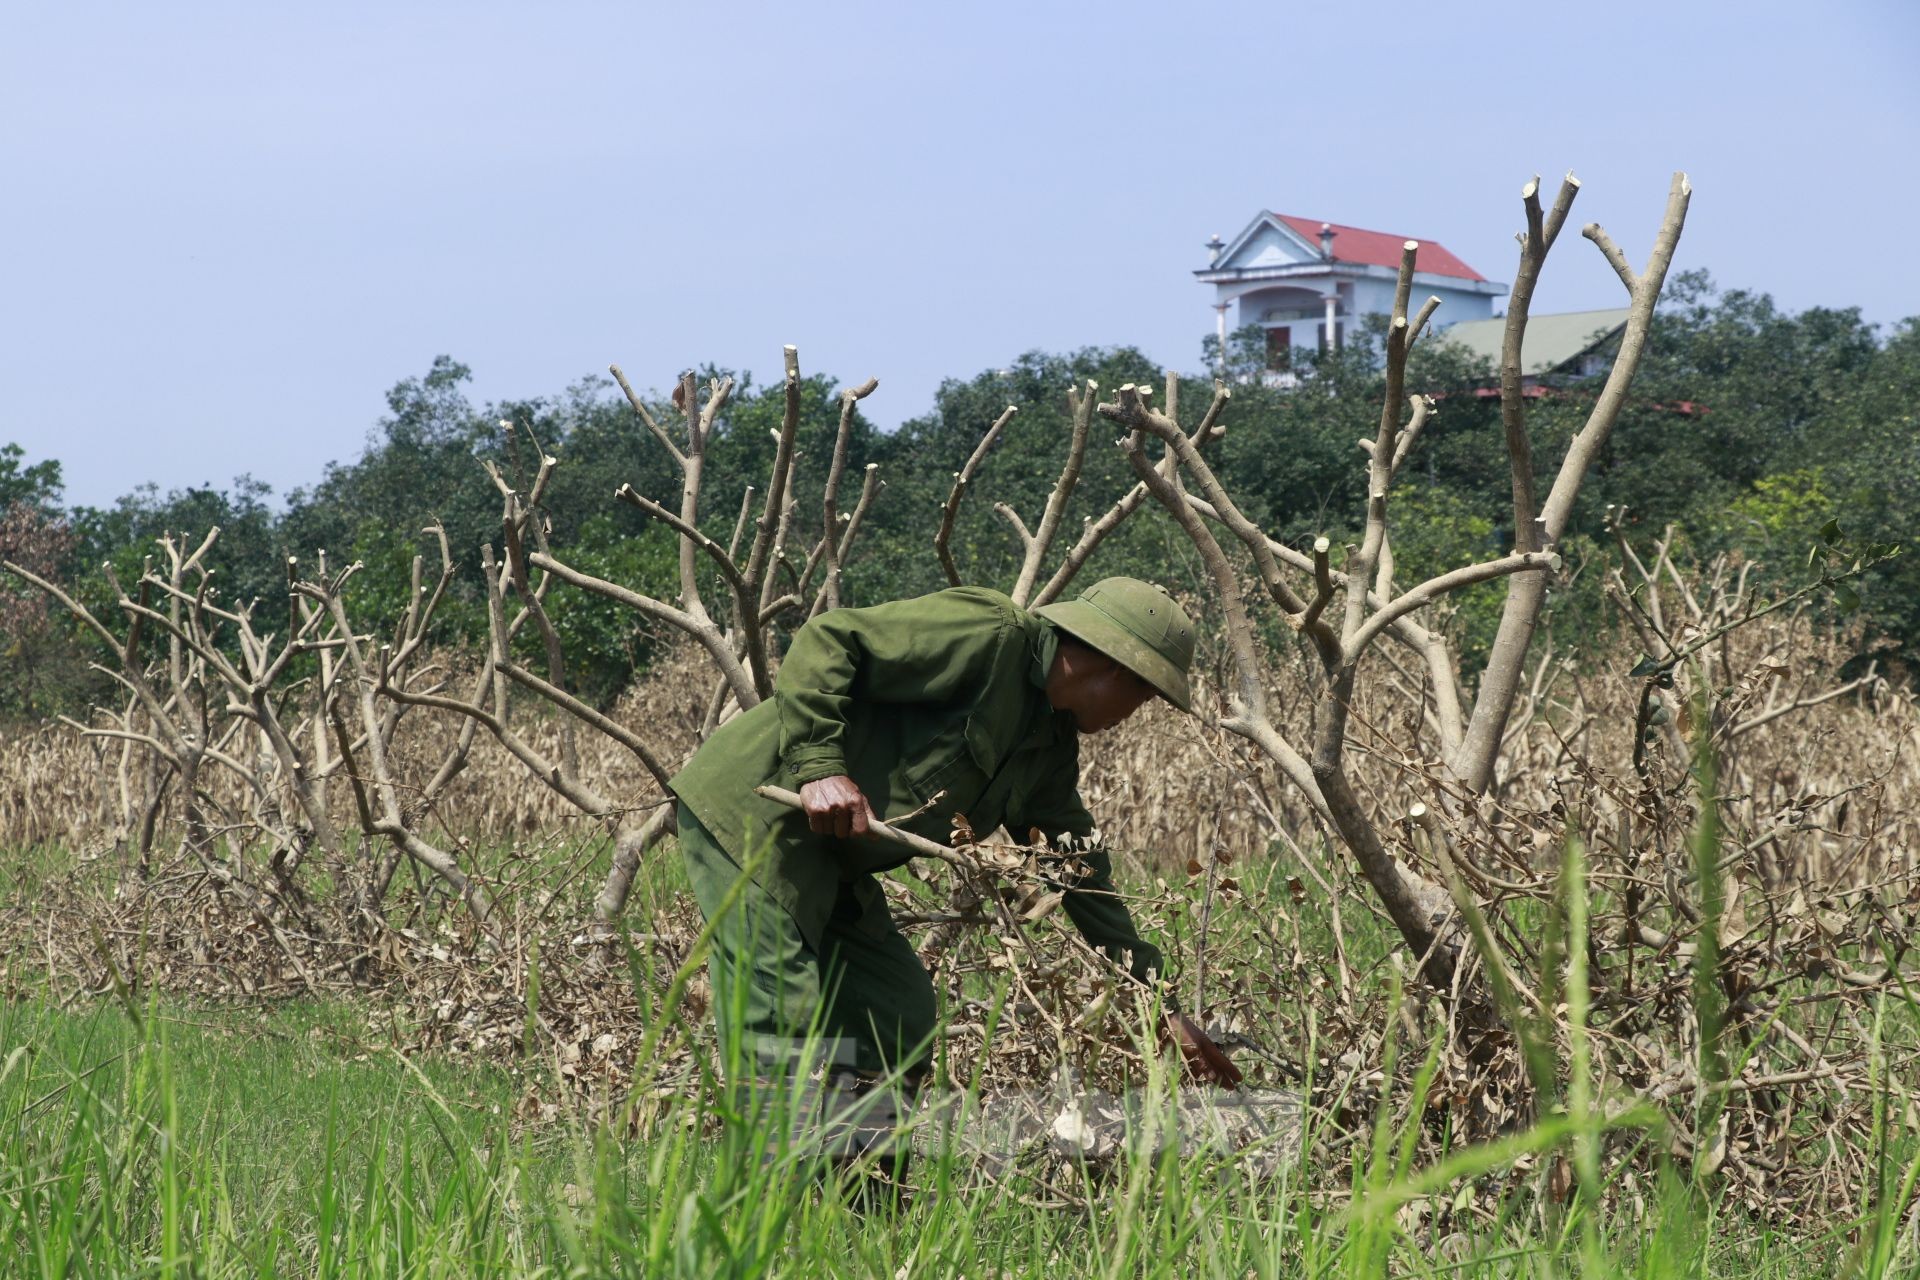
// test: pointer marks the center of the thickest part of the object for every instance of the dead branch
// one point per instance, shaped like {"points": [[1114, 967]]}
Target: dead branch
{"points": [[943, 537], [1474, 760]]}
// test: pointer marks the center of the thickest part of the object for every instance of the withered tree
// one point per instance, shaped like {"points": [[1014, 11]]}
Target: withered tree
{"points": [[209, 690], [763, 586], [766, 583], [1340, 612]]}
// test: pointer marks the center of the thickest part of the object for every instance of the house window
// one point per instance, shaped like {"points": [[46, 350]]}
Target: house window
{"points": [[1339, 335], [1280, 348]]}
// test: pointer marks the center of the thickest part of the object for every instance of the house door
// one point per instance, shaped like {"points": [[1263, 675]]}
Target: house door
{"points": [[1279, 348]]}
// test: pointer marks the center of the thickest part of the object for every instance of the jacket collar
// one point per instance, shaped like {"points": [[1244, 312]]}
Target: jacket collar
{"points": [[1046, 643], [1057, 725]]}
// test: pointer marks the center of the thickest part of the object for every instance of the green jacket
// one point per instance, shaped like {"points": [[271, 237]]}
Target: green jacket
{"points": [[941, 694]]}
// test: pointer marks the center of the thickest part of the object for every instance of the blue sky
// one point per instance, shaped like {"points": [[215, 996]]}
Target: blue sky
{"points": [[229, 228]]}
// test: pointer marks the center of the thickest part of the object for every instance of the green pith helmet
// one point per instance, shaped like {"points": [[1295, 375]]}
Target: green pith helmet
{"points": [[1138, 625]]}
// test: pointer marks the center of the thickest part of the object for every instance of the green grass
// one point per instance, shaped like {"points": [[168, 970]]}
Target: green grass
{"points": [[293, 1142], [141, 1136]]}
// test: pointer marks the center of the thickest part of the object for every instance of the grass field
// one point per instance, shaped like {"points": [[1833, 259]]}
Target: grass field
{"points": [[150, 1135], [282, 1143], [149, 1138]]}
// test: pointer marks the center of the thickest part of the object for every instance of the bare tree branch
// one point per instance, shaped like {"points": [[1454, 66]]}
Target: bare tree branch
{"points": [[1380, 464], [961, 479], [1443, 585], [830, 498], [1135, 414], [700, 629], [1473, 760], [1020, 529], [1080, 403], [640, 409], [1095, 531]]}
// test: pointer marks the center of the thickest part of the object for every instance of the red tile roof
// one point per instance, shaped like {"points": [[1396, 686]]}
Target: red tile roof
{"points": [[1378, 249]]}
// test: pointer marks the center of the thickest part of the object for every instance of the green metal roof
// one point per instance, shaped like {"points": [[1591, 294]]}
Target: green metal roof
{"points": [[1551, 340]]}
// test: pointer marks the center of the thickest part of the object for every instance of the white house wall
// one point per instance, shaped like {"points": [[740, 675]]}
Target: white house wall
{"points": [[1357, 298], [1376, 297], [1255, 305]]}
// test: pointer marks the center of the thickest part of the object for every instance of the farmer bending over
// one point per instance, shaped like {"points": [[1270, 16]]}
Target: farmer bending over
{"points": [[960, 696]]}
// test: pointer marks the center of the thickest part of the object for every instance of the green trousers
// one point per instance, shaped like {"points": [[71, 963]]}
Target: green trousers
{"points": [[864, 991]]}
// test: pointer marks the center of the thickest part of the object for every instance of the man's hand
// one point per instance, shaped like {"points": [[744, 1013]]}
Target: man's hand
{"points": [[836, 807], [1205, 1060]]}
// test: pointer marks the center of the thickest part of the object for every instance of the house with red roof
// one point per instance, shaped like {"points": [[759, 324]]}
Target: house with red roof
{"points": [[1308, 283]]}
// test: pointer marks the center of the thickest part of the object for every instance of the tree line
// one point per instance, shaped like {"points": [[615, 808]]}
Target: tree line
{"points": [[1749, 427]]}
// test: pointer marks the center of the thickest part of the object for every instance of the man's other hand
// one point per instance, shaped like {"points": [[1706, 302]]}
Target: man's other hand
{"points": [[1205, 1060], [836, 807]]}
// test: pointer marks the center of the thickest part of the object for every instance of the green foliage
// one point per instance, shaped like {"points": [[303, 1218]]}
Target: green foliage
{"points": [[1730, 390], [1436, 530], [920, 459], [422, 465], [602, 641], [246, 561], [1868, 444], [378, 594], [1780, 514], [1747, 426], [38, 485], [41, 663]]}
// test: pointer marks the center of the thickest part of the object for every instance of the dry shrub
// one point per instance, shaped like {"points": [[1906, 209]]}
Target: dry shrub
{"points": [[58, 788], [55, 788], [1815, 784], [1276, 943], [493, 797]]}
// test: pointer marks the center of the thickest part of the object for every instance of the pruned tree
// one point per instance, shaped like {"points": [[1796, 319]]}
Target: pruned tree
{"points": [[1340, 613], [322, 702], [208, 691], [762, 587], [1706, 934], [376, 688]]}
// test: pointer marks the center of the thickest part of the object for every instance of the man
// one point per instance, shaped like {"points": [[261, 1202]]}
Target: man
{"points": [[956, 702]]}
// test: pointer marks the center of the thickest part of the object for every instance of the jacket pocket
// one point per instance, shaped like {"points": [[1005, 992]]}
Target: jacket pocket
{"points": [[982, 745], [951, 761], [950, 768]]}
